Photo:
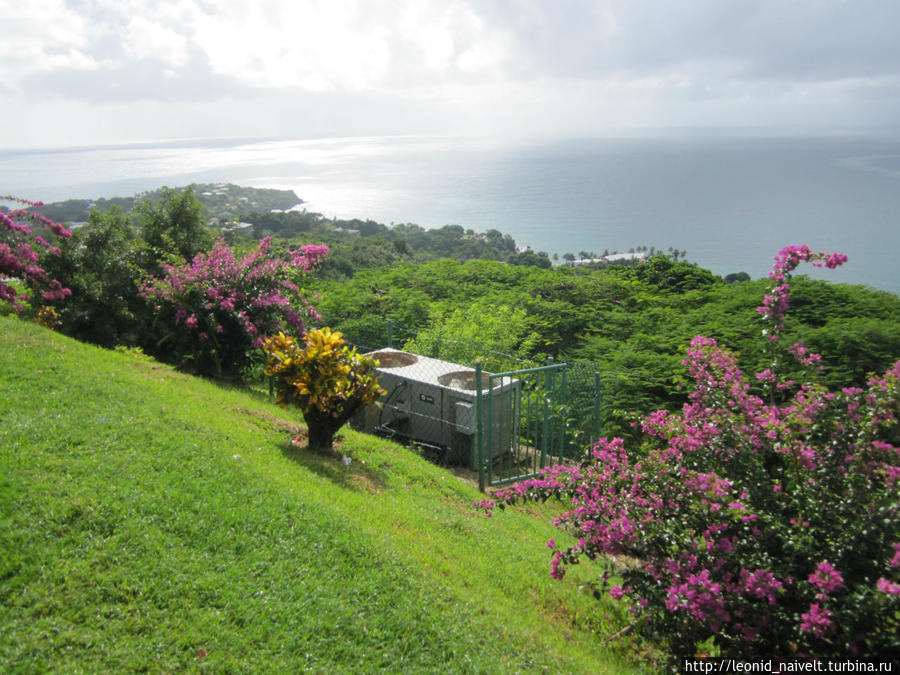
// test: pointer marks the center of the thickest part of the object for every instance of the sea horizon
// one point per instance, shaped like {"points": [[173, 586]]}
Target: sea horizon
{"points": [[729, 197]]}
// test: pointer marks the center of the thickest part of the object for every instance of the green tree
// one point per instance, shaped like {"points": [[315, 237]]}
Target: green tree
{"points": [[498, 335], [500, 242], [100, 263], [671, 275], [174, 225], [530, 258]]}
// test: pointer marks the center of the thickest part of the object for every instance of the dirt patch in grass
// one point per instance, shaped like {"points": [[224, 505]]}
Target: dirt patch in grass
{"points": [[269, 421]]}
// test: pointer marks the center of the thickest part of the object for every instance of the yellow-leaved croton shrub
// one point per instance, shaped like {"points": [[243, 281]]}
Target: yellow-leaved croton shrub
{"points": [[324, 377]]}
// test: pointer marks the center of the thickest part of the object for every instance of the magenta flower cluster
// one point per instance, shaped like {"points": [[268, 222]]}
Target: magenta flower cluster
{"points": [[775, 306], [743, 517], [221, 306], [817, 621], [19, 260]]}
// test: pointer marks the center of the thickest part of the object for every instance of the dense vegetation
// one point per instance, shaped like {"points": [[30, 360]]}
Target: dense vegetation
{"points": [[629, 324]]}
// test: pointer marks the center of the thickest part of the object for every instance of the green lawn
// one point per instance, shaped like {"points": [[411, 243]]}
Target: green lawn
{"points": [[151, 521]]}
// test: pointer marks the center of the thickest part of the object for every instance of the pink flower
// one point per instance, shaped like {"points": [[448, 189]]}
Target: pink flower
{"points": [[728, 468], [826, 578], [762, 584], [816, 621], [766, 376], [557, 571], [889, 587], [803, 355], [486, 504], [835, 260]]}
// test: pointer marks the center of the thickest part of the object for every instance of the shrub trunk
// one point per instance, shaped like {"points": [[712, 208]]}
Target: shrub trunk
{"points": [[323, 426]]}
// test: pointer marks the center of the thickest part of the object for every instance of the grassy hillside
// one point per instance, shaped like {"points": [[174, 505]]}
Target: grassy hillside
{"points": [[156, 522]]}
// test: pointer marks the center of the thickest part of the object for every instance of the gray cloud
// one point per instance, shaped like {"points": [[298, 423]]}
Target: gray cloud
{"points": [[137, 80], [763, 39], [706, 40]]}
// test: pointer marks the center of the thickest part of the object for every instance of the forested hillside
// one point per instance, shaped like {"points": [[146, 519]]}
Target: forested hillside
{"points": [[631, 325]]}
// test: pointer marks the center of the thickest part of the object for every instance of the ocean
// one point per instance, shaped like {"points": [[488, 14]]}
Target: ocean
{"points": [[731, 200]]}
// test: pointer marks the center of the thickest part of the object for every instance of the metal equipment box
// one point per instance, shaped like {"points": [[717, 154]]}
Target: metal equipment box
{"points": [[433, 403]]}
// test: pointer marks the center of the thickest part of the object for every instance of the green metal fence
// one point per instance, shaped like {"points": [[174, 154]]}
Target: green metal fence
{"points": [[522, 423], [526, 418]]}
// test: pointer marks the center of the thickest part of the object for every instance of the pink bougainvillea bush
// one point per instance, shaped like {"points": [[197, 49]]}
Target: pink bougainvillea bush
{"points": [[19, 260], [749, 525], [217, 308]]}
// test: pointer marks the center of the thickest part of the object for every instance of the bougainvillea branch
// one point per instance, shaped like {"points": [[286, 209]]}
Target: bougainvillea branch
{"points": [[218, 307], [19, 260], [744, 519], [776, 304]]}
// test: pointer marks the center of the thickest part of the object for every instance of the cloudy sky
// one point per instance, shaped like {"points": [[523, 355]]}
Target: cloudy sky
{"points": [[77, 72]]}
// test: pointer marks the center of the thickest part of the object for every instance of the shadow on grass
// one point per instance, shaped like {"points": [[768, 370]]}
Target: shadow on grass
{"points": [[354, 475]]}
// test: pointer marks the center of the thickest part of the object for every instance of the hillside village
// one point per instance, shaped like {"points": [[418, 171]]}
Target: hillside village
{"points": [[224, 203]]}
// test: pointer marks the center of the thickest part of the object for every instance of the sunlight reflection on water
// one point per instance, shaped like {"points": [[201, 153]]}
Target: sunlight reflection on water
{"points": [[730, 202]]}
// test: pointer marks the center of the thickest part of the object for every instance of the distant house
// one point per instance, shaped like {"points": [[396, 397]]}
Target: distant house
{"points": [[616, 257], [237, 226], [349, 233], [607, 259], [582, 262]]}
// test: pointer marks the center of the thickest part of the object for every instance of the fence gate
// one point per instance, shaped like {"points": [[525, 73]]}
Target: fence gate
{"points": [[520, 421]]}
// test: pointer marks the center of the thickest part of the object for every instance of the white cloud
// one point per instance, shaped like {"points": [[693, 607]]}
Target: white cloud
{"points": [[515, 64], [39, 36], [148, 39], [333, 45], [321, 45]]}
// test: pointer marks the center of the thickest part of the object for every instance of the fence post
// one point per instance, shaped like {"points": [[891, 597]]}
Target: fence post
{"points": [[390, 333], [596, 425], [562, 407], [545, 432], [479, 427]]}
